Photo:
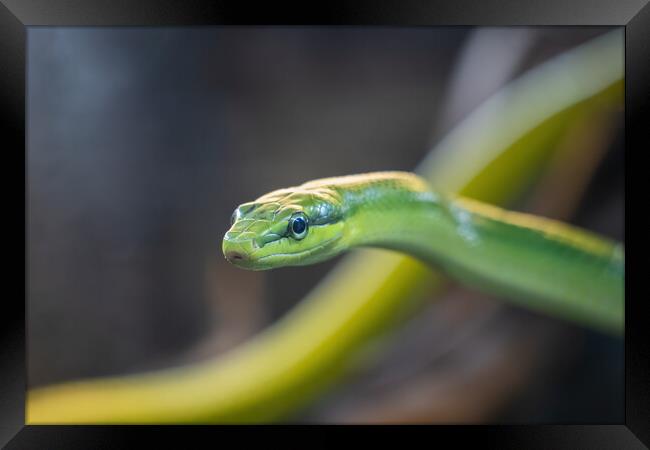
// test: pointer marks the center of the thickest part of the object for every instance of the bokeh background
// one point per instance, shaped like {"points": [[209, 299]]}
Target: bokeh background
{"points": [[142, 141]]}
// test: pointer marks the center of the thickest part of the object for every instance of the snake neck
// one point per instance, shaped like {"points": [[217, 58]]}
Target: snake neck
{"points": [[409, 218], [397, 211]]}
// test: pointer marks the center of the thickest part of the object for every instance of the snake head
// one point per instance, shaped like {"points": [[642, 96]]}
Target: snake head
{"points": [[288, 227]]}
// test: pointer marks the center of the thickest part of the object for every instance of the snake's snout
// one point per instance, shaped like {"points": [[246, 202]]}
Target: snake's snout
{"points": [[235, 256], [237, 251]]}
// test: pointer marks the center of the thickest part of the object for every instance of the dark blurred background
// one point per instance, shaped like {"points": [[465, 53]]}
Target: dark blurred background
{"points": [[141, 142]]}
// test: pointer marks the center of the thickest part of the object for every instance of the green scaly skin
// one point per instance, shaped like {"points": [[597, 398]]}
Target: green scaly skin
{"points": [[537, 262]]}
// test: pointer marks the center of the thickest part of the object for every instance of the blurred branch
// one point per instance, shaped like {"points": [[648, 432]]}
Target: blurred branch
{"points": [[489, 59]]}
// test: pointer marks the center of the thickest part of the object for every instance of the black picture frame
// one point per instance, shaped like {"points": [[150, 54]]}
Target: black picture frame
{"points": [[17, 15]]}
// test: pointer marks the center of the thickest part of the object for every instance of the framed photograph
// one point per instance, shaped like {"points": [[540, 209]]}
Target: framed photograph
{"points": [[333, 215]]}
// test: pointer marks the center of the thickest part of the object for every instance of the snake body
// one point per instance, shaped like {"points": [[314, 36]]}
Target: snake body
{"points": [[537, 262]]}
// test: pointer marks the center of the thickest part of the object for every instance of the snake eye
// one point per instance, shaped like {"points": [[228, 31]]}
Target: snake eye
{"points": [[298, 226]]}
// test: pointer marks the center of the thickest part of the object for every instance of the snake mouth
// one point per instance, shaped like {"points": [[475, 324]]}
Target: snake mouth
{"points": [[235, 257], [301, 254], [239, 254]]}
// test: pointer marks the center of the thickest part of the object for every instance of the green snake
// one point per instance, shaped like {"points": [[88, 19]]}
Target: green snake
{"points": [[539, 263]]}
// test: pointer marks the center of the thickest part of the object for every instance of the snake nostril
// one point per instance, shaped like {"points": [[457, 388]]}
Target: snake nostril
{"points": [[235, 256]]}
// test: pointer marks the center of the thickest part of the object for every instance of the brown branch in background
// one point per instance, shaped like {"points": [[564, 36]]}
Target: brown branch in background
{"points": [[578, 155]]}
